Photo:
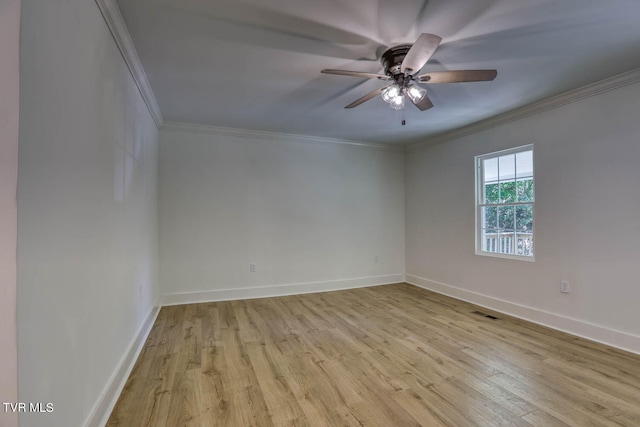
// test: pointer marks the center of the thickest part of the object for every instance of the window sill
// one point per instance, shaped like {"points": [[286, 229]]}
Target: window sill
{"points": [[507, 256]]}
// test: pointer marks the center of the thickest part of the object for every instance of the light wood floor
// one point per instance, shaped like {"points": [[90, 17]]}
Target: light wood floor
{"points": [[392, 355]]}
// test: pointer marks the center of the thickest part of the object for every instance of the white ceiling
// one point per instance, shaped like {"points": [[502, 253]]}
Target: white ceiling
{"points": [[255, 64]]}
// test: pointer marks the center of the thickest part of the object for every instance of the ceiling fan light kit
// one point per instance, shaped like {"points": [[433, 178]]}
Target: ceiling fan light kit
{"points": [[397, 103], [401, 66], [416, 93], [390, 92]]}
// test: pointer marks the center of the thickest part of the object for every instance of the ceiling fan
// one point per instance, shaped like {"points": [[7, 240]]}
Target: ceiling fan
{"points": [[402, 64]]}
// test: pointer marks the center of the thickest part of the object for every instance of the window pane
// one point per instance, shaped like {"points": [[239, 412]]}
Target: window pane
{"points": [[490, 242], [524, 244], [525, 190], [490, 219], [507, 167], [491, 194], [524, 164], [506, 243], [490, 169], [505, 218], [508, 192], [524, 218], [489, 229]]}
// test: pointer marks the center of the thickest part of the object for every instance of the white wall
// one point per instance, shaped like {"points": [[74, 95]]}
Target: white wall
{"points": [[87, 208], [587, 219], [9, 112], [310, 215]]}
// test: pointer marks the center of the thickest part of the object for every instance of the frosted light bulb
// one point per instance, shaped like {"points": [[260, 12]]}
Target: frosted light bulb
{"points": [[390, 93], [397, 103], [416, 93]]}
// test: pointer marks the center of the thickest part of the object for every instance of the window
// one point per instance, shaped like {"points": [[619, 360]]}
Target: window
{"points": [[505, 204]]}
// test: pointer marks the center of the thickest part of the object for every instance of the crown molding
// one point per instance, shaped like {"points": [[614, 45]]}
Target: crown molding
{"points": [[113, 17], [271, 136], [587, 91]]}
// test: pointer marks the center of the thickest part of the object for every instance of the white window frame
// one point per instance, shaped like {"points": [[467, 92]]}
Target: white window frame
{"points": [[479, 177]]}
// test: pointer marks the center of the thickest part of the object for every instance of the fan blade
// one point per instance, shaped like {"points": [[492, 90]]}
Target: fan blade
{"points": [[458, 76], [253, 25], [356, 74], [365, 98], [420, 53], [424, 104]]}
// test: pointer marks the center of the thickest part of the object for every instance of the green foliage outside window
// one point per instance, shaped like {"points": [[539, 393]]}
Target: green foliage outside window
{"points": [[509, 218]]}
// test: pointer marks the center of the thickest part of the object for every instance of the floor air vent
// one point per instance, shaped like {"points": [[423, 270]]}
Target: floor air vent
{"points": [[479, 313]]}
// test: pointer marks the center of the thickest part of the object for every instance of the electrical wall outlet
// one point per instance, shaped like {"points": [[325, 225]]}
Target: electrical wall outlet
{"points": [[565, 288], [376, 259], [252, 268]]}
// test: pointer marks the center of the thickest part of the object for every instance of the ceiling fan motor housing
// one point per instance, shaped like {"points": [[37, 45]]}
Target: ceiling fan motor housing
{"points": [[392, 59]]}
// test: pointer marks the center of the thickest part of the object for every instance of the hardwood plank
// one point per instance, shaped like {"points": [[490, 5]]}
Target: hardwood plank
{"points": [[380, 356], [279, 398]]}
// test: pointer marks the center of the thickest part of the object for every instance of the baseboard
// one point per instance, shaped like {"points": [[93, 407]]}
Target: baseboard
{"points": [[105, 404], [590, 331], [278, 290]]}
